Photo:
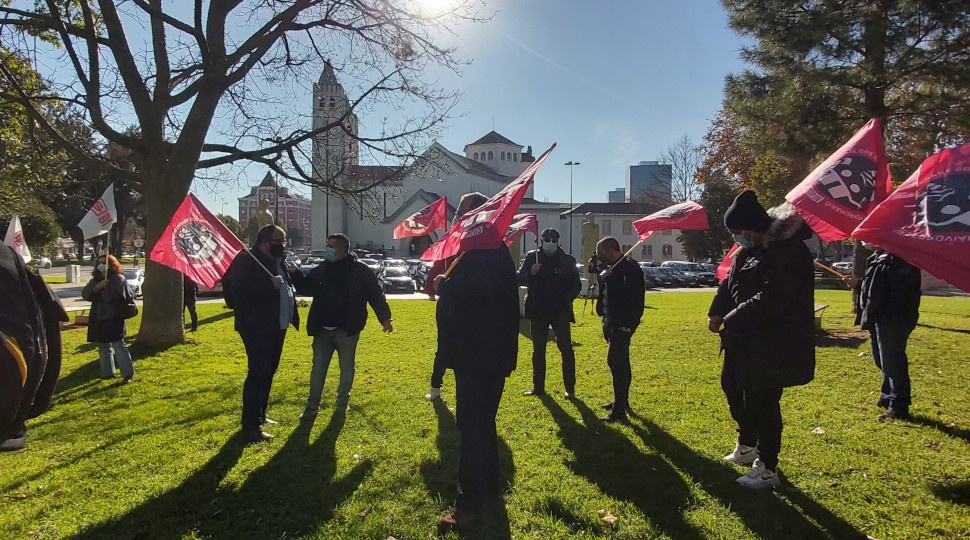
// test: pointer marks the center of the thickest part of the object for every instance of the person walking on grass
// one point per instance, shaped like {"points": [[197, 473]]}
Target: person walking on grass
{"points": [[764, 313], [553, 282], [190, 291], [264, 307], [341, 288], [620, 304], [108, 293], [889, 297]]}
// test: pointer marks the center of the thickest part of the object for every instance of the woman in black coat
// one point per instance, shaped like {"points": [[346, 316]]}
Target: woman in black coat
{"points": [[766, 307], [108, 293]]}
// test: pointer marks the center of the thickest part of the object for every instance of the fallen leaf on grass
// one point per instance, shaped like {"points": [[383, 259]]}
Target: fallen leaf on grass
{"points": [[818, 431], [58, 493], [364, 512], [18, 496], [863, 353], [356, 457], [833, 484], [425, 432]]}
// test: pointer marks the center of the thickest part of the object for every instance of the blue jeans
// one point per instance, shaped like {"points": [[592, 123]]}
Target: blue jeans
{"points": [[121, 357], [889, 353], [324, 345]]}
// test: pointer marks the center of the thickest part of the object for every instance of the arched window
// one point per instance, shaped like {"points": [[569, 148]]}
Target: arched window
{"points": [[649, 251], [490, 157], [333, 102], [476, 156], [503, 156], [515, 157]]}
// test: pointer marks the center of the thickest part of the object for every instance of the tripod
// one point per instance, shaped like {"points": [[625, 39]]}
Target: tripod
{"points": [[589, 292]]}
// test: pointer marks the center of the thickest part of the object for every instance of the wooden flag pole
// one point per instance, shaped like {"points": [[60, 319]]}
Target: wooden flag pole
{"points": [[830, 270], [455, 263], [627, 254]]}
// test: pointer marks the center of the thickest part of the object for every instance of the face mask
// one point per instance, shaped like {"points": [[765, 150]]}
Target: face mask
{"points": [[549, 247], [329, 254], [276, 249], [102, 267], [742, 241]]}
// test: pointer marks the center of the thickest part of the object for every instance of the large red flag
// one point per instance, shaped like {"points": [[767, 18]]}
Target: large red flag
{"points": [[927, 220], [485, 226], [197, 244], [685, 215], [725, 267], [522, 224], [841, 192], [423, 221]]}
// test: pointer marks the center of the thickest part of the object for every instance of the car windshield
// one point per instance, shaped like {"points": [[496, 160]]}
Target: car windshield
{"points": [[131, 274], [369, 262], [655, 271], [393, 262], [694, 267], [395, 272], [672, 271]]}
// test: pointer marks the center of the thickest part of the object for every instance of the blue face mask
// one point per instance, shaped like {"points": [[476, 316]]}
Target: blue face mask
{"points": [[742, 241], [329, 254], [549, 247], [102, 267]]}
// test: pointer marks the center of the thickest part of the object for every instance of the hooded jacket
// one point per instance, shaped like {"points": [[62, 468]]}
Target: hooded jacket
{"points": [[767, 302], [889, 292], [554, 288]]}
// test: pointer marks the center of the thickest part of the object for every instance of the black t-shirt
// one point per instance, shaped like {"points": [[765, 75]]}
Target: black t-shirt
{"points": [[335, 293]]}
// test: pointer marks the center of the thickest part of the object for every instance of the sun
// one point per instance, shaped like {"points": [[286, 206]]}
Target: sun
{"points": [[436, 7]]}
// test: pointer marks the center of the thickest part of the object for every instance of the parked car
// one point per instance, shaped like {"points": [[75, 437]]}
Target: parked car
{"points": [[710, 267], [704, 277], [216, 290], [41, 262], [372, 264], [658, 276], [396, 279], [682, 279], [843, 267], [307, 268], [135, 279], [418, 270], [392, 262]]}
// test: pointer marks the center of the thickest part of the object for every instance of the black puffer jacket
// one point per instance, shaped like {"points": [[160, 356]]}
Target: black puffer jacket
{"points": [[620, 302], [478, 313], [767, 302], [363, 289], [889, 292], [554, 288]]}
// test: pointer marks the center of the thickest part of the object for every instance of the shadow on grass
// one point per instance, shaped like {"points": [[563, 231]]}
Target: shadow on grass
{"points": [[956, 492], [849, 340], [954, 431], [602, 454], [440, 477], [959, 330], [215, 318], [762, 511], [291, 495]]}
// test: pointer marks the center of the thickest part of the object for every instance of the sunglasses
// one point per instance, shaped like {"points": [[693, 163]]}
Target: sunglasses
{"points": [[549, 239]]}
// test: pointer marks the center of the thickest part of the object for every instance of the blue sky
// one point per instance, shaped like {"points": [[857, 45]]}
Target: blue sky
{"points": [[612, 82]]}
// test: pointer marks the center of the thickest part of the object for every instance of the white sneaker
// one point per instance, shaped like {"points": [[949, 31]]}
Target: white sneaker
{"points": [[434, 393], [759, 477], [742, 455]]}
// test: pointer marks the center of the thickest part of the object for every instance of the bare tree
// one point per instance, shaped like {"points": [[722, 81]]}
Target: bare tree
{"points": [[685, 158], [171, 68]]}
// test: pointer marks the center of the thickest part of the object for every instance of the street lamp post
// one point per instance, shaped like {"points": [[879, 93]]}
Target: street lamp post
{"points": [[571, 164]]}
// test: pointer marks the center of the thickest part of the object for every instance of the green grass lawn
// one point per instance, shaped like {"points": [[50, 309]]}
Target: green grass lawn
{"points": [[162, 457]]}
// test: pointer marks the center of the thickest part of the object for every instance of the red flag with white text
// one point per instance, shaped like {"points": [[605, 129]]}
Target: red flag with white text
{"points": [[196, 244], [522, 224], [927, 220], [485, 226], [840, 193], [431, 217], [683, 216]]}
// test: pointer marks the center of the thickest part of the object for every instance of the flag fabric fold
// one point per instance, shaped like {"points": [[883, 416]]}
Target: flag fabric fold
{"points": [[431, 217], [521, 224], [840, 193], [196, 244], [101, 216], [15, 238], [485, 226], [685, 216], [927, 220], [725, 267]]}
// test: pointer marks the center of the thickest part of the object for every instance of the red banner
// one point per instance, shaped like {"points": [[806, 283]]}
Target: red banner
{"points": [[522, 224], [927, 220], [841, 192], [485, 227], [197, 244], [431, 217], [685, 215]]}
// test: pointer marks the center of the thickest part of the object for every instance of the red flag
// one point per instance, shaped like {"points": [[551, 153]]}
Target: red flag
{"points": [[423, 221], [685, 215], [725, 266], [197, 244], [522, 224], [841, 192], [927, 220], [485, 227]]}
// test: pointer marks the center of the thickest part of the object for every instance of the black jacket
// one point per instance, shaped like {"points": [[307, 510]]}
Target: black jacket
{"points": [[620, 301], [478, 313], [250, 293], [364, 289], [889, 292], [107, 322], [768, 305], [554, 288]]}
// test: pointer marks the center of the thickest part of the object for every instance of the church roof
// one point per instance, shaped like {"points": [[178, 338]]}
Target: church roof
{"points": [[470, 165], [427, 197], [388, 176], [624, 208], [267, 181], [328, 76], [492, 138]]}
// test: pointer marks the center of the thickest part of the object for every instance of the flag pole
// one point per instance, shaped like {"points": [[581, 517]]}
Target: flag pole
{"points": [[830, 270], [627, 254], [455, 263]]}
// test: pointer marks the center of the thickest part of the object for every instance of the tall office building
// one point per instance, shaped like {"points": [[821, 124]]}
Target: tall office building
{"points": [[648, 181]]}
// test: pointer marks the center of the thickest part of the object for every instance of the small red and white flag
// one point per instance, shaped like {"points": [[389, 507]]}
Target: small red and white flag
{"points": [[15, 238], [101, 216], [687, 215], [522, 224], [196, 244], [725, 267], [840, 193], [431, 217]]}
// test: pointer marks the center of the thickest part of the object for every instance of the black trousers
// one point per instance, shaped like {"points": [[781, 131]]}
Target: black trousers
{"points": [[618, 359], [263, 350], [540, 336], [758, 414], [437, 371], [477, 397], [193, 315]]}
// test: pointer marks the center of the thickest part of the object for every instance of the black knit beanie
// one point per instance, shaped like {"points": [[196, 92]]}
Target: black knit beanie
{"points": [[746, 213]]}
